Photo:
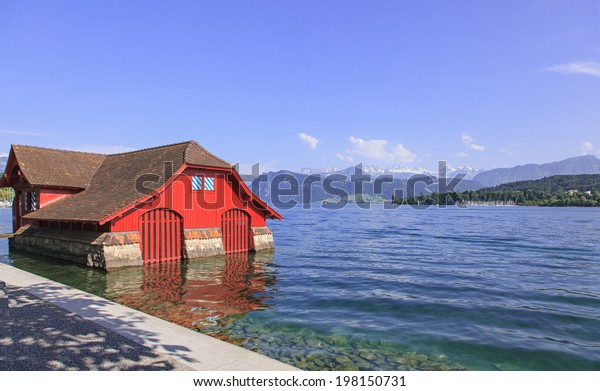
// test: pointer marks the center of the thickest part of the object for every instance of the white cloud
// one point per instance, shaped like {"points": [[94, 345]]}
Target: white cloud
{"points": [[105, 149], [309, 140], [589, 68], [344, 158], [378, 150], [3, 155], [586, 147], [461, 154], [467, 139]]}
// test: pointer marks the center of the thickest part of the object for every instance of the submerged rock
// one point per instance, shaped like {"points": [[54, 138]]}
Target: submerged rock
{"points": [[367, 355]]}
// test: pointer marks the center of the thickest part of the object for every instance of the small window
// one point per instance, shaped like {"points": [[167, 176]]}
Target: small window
{"points": [[196, 183], [209, 183], [30, 201]]}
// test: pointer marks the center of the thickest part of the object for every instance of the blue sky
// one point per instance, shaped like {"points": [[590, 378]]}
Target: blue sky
{"points": [[291, 84]]}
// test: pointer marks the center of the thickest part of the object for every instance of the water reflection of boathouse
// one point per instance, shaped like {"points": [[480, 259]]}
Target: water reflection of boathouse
{"points": [[199, 293]]}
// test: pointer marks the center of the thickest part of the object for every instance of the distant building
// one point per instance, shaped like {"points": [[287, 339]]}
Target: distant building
{"points": [[572, 192], [159, 204], [587, 192]]}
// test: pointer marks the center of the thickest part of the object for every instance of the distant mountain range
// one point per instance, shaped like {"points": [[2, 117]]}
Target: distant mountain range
{"points": [[421, 181], [574, 166], [303, 188], [3, 164], [399, 172]]}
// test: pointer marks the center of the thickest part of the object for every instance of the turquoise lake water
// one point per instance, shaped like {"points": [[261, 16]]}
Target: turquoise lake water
{"points": [[479, 289]]}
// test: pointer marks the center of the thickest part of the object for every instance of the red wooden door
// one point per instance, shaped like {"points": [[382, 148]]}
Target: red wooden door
{"points": [[160, 235], [235, 226]]}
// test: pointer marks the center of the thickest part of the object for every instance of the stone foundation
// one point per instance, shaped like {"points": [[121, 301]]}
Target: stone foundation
{"points": [[114, 250], [263, 239], [202, 243], [104, 250]]}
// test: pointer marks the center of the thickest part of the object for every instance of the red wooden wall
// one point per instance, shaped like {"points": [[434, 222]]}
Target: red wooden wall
{"points": [[49, 196], [199, 208]]}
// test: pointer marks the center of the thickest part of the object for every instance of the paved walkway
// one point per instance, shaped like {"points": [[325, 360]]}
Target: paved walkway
{"points": [[38, 336], [45, 325]]}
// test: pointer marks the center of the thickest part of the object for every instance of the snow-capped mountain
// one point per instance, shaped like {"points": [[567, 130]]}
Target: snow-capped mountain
{"points": [[572, 166], [373, 170], [402, 171], [399, 172], [417, 170], [469, 172], [312, 171]]}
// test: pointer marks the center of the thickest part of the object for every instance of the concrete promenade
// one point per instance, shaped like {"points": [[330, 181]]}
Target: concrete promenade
{"points": [[45, 325]]}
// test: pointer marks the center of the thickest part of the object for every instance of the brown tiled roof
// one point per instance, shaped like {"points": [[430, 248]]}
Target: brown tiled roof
{"points": [[113, 186], [195, 154], [55, 167]]}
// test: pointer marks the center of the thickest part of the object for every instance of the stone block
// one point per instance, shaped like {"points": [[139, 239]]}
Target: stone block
{"points": [[203, 248], [263, 239], [106, 251]]}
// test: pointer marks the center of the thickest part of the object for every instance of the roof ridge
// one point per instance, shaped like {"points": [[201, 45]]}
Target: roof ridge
{"points": [[57, 149], [94, 174], [194, 142], [186, 151], [149, 148]]}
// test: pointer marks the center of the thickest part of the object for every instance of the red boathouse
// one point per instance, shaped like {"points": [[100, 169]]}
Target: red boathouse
{"points": [[159, 204]]}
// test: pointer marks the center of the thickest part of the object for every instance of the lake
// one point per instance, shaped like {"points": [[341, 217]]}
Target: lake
{"points": [[483, 288]]}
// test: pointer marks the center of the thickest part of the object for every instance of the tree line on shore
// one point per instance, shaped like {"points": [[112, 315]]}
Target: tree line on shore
{"points": [[505, 197], [559, 190]]}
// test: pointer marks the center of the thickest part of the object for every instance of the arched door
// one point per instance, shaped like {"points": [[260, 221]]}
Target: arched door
{"points": [[160, 235], [235, 226]]}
